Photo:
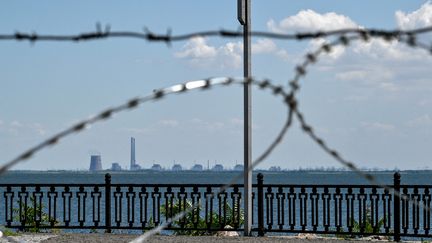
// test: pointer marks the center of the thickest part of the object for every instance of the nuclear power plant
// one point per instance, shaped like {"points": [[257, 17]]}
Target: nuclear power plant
{"points": [[95, 163]]}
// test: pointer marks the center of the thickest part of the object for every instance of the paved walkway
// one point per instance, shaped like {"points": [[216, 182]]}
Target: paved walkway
{"points": [[111, 238]]}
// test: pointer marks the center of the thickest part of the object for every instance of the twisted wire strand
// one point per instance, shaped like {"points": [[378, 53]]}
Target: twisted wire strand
{"points": [[168, 38]]}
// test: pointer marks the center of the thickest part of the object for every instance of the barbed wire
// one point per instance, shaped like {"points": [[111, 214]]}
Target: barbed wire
{"points": [[148, 35], [343, 37]]}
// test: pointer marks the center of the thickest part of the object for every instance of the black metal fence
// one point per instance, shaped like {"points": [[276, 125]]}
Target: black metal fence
{"points": [[120, 206], [352, 210]]}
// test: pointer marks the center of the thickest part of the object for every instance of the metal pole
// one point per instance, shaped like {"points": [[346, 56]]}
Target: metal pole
{"points": [[107, 203], [396, 206], [244, 17], [260, 189]]}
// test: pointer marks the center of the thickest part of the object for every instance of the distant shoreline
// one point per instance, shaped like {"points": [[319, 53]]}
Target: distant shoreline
{"points": [[211, 171]]}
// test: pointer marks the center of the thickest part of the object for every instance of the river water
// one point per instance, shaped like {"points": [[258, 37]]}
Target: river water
{"points": [[207, 177]]}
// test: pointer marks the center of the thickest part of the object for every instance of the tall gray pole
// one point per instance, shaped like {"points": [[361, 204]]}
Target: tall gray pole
{"points": [[244, 16]]}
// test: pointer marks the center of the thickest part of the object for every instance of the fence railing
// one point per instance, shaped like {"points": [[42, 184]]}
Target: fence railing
{"points": [[120, 206], [353, 210]]}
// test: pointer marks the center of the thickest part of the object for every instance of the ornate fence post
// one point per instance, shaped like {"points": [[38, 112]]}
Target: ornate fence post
{"points": [[260, 179], [108, 203], [396, 206]]}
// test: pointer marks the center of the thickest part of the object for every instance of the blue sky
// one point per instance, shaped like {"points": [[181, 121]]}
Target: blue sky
{"points": [[371, 101]]}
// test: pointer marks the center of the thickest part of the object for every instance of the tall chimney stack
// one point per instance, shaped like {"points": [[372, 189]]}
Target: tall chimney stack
{"points": [[132, 161]]}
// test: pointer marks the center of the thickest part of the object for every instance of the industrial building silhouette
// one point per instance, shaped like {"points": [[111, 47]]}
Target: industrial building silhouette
{"points": [[95, 163]]}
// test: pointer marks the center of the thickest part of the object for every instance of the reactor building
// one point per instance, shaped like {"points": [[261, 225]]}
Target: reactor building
{"points": [[95, 163], [116, 167]]}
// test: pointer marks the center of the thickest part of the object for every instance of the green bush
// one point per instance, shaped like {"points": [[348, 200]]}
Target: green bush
{"points": [[188, 220], [29, 212], [368, 226]]}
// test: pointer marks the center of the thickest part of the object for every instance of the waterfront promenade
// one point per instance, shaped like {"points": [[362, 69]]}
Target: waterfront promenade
{"points": [[111, 238]]}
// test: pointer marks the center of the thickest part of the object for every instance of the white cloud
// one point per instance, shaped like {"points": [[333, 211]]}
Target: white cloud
{"points": [[263, 46], [200, 54], [376, 63], [378, 126], [197, 48], [379, 49], [424, 120], [336, 51], [309, 20], [231, 55], [419, 18], [227, 56], [381, 64]]}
